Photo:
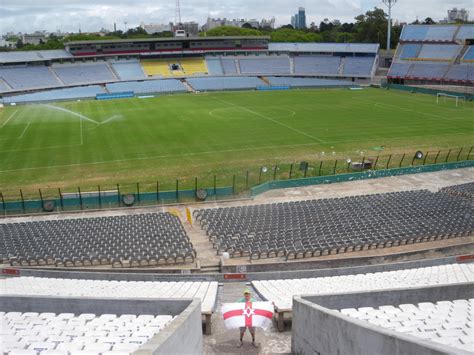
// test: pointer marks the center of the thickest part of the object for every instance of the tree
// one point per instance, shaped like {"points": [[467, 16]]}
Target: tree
{"points": [[372, 27], [428, 21], [231, 31], [290, 35], [19, 43]]}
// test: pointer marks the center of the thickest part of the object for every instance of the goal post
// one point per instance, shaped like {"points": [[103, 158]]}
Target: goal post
{"points": [[440, 96]]}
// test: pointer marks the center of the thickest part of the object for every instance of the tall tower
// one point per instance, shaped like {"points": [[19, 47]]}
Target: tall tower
{"points": [[177, 15], [389, 4]]}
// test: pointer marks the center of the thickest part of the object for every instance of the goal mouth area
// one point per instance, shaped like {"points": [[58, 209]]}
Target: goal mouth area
{"points": [[444, 97]]}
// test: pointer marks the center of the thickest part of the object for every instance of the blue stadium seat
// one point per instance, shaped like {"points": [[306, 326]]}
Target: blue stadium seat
{"points": [[399, 70], [409, 51], [466, 31], [225, 83], [214, 65], [469, 55], [265, 65], [428, 70], [229, 66], [439, 52], [325, 65], [29, 77], [59, 94], [147, 87], [306, 82], [358, 66], [73, 74], [128, 70]]}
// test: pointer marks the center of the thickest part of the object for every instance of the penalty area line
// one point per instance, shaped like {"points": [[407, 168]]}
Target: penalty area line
{"points": [[24, 131], [8, 119]]}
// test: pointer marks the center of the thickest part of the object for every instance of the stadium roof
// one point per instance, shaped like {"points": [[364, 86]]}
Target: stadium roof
{"points": [[325, 47], [33, 56], [167, 39]]}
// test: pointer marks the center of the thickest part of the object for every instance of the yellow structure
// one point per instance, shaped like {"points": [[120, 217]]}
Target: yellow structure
{"points": [[193, 66], [162, 67]]}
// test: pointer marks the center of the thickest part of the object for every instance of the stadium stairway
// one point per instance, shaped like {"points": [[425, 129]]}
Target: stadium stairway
{"points": [[53, 73], [460, 55], [188, 86], [223, 341], [340, 71]]}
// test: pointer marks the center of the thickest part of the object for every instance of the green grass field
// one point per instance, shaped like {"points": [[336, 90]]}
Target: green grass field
{"points": [[182, 136]]}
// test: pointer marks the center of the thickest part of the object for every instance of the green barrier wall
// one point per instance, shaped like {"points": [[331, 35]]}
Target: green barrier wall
{"points": [[109, 201], [370, 174], [428, 91]]}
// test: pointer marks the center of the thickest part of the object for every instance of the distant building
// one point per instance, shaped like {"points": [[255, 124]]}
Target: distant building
{"points": [[214, 23], [456, 14], [191, 28], [34, 38], [157, 28], [298, 21]]}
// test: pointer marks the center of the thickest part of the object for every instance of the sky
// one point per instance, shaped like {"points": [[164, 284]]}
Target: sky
{"points": [[92, 15]]}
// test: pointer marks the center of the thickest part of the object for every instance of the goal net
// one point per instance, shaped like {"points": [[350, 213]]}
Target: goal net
{"points": [[442, 97]]}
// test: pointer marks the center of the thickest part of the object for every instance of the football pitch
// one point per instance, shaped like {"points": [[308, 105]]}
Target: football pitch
{"points": [[86, 143]]}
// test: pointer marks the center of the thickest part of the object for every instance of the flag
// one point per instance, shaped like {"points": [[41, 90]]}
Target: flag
{"points": [[248, 314]]}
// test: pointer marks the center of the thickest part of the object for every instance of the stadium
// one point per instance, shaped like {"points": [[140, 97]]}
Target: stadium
{"points": [[146, 182]]}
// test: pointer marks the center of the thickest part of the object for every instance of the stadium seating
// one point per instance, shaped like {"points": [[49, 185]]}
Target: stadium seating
{"points": [[59, 94], [399, 70], [317, 65], [409, 50], [465, 32], [428, 70], [225, 83], [128, 70], [29, 77], [435, 52], [161, 67], [32, 56], [229, 66], [469, 55], [193, 66], [90, 73], [147, 87], [358, 66], [67, 333], [463, 190], [443, 322], [320, 227], [3, 86], [215, 66], [306, 82], [39, 286], [132, 240], [460, 73], [265, 65], [282, 291], [436, 33]]}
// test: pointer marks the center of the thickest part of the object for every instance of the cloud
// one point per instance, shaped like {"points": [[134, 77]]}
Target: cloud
{"points": [[92, 15]]}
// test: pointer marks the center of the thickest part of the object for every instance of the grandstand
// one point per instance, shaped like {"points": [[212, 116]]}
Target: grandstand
{"points": [[21, 73], [433, 54]]}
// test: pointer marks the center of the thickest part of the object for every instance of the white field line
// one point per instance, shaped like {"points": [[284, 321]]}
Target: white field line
{"points": [[272, 120], [381, 105], [8, 119], [39, 148], [155, 156], [82, 135], [71, 112], [24, 131]]}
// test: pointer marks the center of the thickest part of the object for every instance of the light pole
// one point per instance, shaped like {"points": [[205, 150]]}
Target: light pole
{"points": [[389, 4]]}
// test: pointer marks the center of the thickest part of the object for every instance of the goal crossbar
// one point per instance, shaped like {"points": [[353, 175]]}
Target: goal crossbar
{"points": [[445, 96]]}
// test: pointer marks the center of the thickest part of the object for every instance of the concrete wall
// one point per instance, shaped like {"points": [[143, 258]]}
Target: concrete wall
{"points": [[271, 271], [187, 325], [317, 329]]}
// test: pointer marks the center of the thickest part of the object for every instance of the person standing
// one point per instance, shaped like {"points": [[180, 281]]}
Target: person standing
{"points": [[247, 299]]}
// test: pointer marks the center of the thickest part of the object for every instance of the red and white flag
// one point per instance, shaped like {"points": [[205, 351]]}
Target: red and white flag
{"points": [[248, 314]]}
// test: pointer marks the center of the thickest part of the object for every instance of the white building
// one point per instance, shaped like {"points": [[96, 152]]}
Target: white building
{"points": [[456, 14]]}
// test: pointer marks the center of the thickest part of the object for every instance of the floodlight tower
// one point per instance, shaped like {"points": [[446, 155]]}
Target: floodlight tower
{"points": [[389, 4], [177, 16]]}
